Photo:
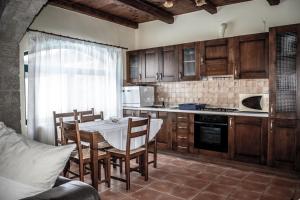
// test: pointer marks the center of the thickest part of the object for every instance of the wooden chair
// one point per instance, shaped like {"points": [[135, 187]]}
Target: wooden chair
{"points": [[81, 156], [129, 154], [56, 120]]}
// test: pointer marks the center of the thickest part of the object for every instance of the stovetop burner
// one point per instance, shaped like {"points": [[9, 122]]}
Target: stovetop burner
{"points": [[218, 109]]}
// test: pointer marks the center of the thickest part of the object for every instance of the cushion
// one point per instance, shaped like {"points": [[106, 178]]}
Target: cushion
{"points": [[28, 163]]}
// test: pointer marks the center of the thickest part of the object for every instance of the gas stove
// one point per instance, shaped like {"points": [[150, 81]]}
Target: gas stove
{"points": [[219, 109]]}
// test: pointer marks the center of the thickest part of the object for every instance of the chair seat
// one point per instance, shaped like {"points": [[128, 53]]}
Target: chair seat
{"points": [[86, 155], [101, 145], [132, 152]]}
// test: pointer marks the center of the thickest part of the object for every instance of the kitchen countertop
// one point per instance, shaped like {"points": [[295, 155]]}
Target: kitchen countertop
{"points": [[176, 110]]}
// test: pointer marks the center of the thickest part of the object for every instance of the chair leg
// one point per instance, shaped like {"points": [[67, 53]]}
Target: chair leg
{"points": [[107, 170], [141, 164], [146, 166], [99, 170], [127, 172], [155, 155], [66, 169], [114, 159], [81, 172], [121, 165]]}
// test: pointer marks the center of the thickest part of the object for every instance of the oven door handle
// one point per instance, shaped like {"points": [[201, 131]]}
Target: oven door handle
{"points": [[211, 123]]}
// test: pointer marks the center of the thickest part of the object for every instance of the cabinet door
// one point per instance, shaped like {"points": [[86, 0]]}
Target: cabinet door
{"points": [[188, 62], [169, 70], [214, 58], [163, 137], [151, 65], [285, 72], [283, 148], [134, 72], [250, 139], [251, 54]]}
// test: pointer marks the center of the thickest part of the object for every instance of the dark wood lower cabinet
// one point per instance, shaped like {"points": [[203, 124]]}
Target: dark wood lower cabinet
{"points": [[248, 139], [284, 144], [164, 137]]}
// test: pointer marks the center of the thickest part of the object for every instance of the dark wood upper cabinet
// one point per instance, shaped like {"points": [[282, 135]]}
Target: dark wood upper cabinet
{"points": [[284, 143], [188, 61], [169, 67], [249, 56], [214, 58], [284, 79], [151, 64], [248, 139], [134, 66]]}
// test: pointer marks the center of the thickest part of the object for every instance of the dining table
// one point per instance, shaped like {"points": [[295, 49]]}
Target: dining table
{"points": [[113, 131]]}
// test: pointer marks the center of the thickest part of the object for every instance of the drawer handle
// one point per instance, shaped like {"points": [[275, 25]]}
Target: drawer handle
{"points": [[182, 127], [181, 137], [182, 147], [181, 117]]}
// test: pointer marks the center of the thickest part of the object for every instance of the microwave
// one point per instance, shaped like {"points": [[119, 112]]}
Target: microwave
{"points": [[254, 102], [138, 96]]}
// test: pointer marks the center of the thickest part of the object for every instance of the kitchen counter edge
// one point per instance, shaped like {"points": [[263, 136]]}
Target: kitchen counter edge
{"points": [[236, 113]]}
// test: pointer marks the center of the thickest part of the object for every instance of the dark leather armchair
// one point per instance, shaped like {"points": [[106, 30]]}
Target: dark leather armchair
{"points": [[66, 189]]}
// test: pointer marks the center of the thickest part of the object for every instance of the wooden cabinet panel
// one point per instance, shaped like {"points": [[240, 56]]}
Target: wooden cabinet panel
{"points": [[134, 66], [163, 137], [251, 56], [284, 143], [248, 139], [214, 57], [169, 71], [284, 79], [151, 64], [188, 61]]}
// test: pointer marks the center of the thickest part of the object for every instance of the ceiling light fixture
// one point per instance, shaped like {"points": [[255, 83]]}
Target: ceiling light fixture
{"points": [[169, 4], [200, 2]]}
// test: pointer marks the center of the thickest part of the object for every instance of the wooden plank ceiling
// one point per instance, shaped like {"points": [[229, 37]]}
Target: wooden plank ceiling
{"points": [[132, 12]]}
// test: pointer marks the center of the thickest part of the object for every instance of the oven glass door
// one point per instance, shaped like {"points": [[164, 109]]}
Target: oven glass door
{"points": [[211, 136]]}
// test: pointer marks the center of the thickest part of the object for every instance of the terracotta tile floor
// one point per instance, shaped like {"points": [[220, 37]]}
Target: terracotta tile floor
{"points": [[178, 178]]}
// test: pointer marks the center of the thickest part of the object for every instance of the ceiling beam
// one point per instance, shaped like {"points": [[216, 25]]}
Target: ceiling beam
{"points": [[151, 9], [274, 2], [77, 7]]}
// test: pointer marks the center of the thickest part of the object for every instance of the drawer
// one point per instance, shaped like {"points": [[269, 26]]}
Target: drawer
{"points": [[182, 141], [248, 120], [182, 132], [182, 125], [182, 117]]}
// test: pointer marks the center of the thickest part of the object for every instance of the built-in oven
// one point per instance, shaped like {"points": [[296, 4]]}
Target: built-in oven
{"points": [[211, 132]]}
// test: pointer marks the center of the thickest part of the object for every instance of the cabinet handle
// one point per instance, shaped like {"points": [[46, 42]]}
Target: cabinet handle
{"points": [[161, 75], [201, 60], [182, 147], [180, 75], [230, 122], [181, 137], [140, 77], [181, 117], [157, 76], [235, 72], [271, 109], [182, 127], [271, 124]]}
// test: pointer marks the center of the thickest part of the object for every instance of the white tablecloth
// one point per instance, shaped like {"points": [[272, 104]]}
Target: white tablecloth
{"points": [[115, 133]]}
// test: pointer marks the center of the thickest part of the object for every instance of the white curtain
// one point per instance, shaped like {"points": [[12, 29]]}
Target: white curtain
{"points": [[67, 74]]}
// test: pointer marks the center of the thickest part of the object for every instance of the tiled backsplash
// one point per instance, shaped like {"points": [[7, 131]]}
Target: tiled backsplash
{"points": [[223, 92]]}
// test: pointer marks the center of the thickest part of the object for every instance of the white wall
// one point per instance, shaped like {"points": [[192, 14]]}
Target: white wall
{"points": [[60, 21], [242, 18]]}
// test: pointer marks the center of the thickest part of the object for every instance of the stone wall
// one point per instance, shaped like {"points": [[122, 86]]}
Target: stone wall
{"points": [[15, 17], [223, 92]]}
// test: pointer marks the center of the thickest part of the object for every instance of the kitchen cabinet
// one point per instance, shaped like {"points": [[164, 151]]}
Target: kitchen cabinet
{"points": [[249, 56], [151, 64], [284, 79], [284, 143], [164, 140], [214, 58], [134, 66], [188, 62], [170, 60], [248, 139], [183, 130]]}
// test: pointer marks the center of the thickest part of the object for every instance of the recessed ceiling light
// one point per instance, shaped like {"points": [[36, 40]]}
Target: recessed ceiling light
{"points": [[168, 4]]}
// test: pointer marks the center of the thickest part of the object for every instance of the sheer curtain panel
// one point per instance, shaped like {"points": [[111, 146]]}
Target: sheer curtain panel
{"points": [[67, 74]]}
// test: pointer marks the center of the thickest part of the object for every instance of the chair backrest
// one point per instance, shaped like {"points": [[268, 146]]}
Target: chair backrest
{"points": [[89, 115], [71, 130], [145, 125], [56, 122]]}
